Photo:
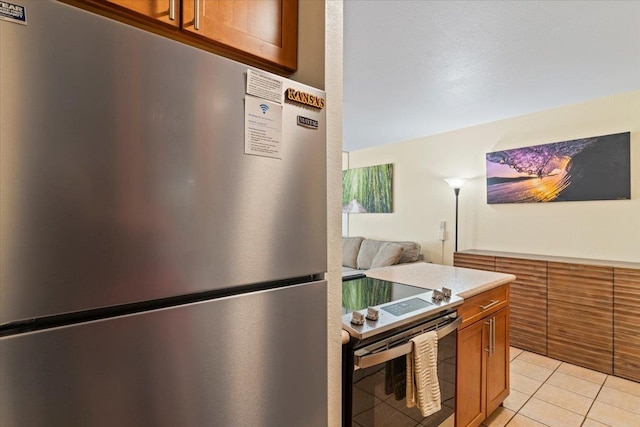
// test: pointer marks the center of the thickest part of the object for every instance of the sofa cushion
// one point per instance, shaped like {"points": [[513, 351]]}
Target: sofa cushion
{"points": [[350, 249], [389, 254], [368, 250], [411, 252]]}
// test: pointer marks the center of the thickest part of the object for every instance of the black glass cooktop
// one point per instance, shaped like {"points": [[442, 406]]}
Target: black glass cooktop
{"points": [[363, 292]]}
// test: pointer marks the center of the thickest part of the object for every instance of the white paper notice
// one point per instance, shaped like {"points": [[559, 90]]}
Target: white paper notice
{"points": [[264, 85], [262, 128]]}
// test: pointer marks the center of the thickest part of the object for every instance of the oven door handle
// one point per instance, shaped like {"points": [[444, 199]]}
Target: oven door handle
{"points": [[367, 360]]}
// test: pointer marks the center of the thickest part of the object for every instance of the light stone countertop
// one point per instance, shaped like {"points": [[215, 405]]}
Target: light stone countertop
{"points": [[463, 282]]}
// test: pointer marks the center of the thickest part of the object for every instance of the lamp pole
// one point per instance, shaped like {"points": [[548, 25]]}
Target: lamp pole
{"points": [[456, 184], [456, 191]]}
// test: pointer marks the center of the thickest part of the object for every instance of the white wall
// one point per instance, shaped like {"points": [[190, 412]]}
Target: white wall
{"points": [[333, 82], [589, 229], [320, 65], [311, 49]]}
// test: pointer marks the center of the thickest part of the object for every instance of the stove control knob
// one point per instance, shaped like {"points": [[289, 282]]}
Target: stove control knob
{"points": [[357, 318], [446, 292], [437, 295], [372, 313]]}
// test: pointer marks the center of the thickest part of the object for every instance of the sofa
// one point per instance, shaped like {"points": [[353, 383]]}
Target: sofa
{"points": [[360, 254]]}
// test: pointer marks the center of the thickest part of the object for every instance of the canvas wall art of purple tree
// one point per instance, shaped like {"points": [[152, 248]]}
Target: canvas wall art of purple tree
{"points": [[595, 168]]}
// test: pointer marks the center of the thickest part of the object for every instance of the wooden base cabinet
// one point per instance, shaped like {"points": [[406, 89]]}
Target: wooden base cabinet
{"points": [[477, 262], [528, 296], [626, 323], [581, 315], [527, 302], [471, 398], [498, 359], [482, 382], [582, 311]]}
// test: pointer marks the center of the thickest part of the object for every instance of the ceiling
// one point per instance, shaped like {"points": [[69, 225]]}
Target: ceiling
{"points": [[419, 68]]}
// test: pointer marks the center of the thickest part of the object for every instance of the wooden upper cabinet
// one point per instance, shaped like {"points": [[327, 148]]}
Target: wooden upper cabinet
{"points": [[261, 33], [266, 29], [165, 11]]}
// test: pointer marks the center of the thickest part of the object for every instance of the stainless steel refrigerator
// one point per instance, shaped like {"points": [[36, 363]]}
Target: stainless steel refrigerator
{"points": [[153, 272]]}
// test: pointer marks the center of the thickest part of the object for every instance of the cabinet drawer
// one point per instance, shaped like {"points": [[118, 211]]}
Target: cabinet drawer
{"points": [[480, 305]]}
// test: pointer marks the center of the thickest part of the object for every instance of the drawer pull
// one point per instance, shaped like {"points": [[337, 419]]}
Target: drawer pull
{"points": [[491, 304], [489, 323], [196, 19]]}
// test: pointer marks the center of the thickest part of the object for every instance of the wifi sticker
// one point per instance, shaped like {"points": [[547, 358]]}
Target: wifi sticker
{"points": [[264, 108]]}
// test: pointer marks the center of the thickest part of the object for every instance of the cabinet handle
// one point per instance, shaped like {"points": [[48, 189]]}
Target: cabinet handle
{"points": [[491, 304], [488, 349], [172, 10], [196, 20], [493, 335]]}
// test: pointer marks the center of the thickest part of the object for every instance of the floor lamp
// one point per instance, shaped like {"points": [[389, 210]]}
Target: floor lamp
{"points": [[456, 184]]}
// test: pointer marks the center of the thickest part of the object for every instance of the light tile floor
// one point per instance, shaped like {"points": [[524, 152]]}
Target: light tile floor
{"points": [[548, 392]]}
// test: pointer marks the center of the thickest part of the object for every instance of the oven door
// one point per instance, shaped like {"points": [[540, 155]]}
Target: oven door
{"points": [[379, 380]]}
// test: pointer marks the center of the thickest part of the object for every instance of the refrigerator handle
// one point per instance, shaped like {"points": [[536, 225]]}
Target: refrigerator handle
{"points": [[172, 10], [196, 20]]}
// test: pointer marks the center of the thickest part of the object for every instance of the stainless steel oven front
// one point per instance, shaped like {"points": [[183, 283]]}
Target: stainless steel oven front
{"points": [[374, 377]]}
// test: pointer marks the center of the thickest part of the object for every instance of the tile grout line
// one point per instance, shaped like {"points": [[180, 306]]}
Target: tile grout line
{"points": [[584, 417], [527, 401], [593, 402]]}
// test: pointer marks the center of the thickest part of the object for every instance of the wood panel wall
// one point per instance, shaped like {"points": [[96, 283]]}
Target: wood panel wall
{"points": [[626, 321], [528, 302], [592, 307], [580, 317], [478, 262]]}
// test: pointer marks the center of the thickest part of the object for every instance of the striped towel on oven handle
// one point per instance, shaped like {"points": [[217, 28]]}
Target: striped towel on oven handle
{"points": [[423, 389]]}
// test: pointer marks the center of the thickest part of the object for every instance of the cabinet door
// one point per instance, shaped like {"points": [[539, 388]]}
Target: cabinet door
{"points": [[626, 323], [498, 360], [528, 302], [478, 262], [166, 11], [580, 319], [470, 381], [266, 29]]}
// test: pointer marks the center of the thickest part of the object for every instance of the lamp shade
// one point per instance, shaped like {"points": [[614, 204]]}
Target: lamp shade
{"points": [[455, 183]]}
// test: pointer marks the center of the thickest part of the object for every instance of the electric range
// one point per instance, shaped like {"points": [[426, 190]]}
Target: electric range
{"points": [[371, 307], [387, 316]]}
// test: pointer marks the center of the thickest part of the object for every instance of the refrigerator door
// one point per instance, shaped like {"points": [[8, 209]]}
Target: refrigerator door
{"points": [[123, 174], [254, 360]]}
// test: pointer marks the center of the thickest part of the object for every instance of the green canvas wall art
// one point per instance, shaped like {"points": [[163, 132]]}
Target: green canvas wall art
{"points": [[368, 189]]}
